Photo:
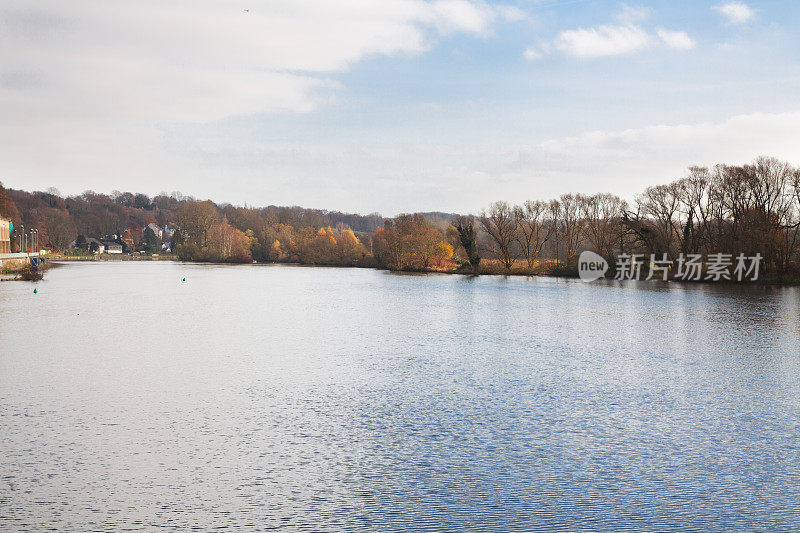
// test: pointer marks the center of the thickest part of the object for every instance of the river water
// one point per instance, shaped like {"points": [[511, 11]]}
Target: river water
{"points": [[325, 399]]}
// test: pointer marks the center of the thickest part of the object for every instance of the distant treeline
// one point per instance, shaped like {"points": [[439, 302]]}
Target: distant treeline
{"points": [[750, 209]]}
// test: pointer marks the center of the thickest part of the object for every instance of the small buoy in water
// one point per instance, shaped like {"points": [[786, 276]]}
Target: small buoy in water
{"points": [[35, 291], [184, 279]]}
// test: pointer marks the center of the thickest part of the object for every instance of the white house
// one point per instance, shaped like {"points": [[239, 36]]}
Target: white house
{"points": [[113, 247], [158, 231], [95, 245], [5, 236]]}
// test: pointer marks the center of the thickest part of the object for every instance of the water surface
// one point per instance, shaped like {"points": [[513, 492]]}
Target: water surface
{"points": [[327, 399]]}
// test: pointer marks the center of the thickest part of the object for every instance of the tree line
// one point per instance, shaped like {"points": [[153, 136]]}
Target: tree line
{"points": [[751, 209], [729, 209]]}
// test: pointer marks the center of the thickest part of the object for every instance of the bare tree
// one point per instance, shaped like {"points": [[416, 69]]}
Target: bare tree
{"points": [[554, 211], [693, 198], [661, 205], [571, 224], [196, 219], [499, 224], [533, 229], [602, 214], [774, 216]]}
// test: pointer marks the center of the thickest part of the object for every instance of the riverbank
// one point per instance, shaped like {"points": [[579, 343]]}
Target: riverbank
{"points": [[26, 273], [545, 268], [27, 266], [111, 257]]}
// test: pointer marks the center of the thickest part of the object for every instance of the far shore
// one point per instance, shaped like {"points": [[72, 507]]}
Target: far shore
{"points": [[110, 257], [493, 268]]}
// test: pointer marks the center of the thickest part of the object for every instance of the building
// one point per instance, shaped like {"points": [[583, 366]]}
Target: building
{"points": [[112, 247], [95, 245], [158, 231], [5, 236]]}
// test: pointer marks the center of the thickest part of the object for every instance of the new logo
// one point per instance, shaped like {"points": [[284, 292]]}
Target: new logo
{"points": [[591, 266]]}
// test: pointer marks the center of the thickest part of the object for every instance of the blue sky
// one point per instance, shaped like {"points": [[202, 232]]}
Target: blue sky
{"points": [[391, 105]]}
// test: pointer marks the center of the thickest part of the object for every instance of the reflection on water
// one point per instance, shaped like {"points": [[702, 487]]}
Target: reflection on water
{"points": [[328, 399]]}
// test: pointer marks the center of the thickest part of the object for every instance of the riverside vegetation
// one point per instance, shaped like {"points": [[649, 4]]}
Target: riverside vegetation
{"points": [[750, 209]]}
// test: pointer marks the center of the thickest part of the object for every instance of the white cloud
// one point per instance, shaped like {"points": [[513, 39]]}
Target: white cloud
{"points": [[87, 90], [624, 162], [679, 40], [624, 38], [511, 13], [534, 53], [201, 59], [632, 15], [434, 174], [450, 16], [735, 12], [602, 41]]}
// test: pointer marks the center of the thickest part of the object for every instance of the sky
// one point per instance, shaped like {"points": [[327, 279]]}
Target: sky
{"points": [[391, 105]]}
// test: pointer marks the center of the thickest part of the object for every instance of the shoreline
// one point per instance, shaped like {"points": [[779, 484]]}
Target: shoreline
{"points": [[792, 282]]}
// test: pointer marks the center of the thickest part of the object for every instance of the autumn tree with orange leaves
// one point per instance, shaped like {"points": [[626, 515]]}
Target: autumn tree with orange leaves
{"points": [[408, 242]]}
